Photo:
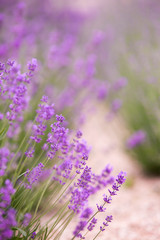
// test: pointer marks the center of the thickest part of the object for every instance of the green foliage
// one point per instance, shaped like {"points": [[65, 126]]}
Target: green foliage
{"points": [[3, 130]]}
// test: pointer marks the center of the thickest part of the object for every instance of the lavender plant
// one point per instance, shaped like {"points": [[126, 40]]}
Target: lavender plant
{"points": [[43, 167]]}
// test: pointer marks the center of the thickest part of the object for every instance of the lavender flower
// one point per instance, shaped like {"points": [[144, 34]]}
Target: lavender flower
{"points": [[92, 224], [14, 88], [7, 214], [86, 213], [116, 105], [34, 175], [27, 218], [33, 235], [79, 228], [136, 139], [80, 195], [101, 208], [117, 184], [44, 113], [120, 83], [29, 153], [4, 158], [79, 134], [105, 224]]}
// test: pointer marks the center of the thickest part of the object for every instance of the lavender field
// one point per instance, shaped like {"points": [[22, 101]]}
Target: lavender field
{"points": [[79, 120]]}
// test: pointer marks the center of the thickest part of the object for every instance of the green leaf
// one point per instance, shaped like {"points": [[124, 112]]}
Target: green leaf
{"points": [[3, 131], [20, 230]]}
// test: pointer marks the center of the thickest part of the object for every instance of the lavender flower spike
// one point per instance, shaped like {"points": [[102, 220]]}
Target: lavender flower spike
{"points": [[136, 139]]}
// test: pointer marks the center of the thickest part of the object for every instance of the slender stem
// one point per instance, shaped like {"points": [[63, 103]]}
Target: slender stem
{"points": [[18, 149], [68, 220], [17, 172], [97, 235], [86, 233], [54, 204], [42, 195]]}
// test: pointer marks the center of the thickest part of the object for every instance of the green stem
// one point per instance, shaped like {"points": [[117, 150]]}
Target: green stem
{"points": [[68, 220], [42, 195], [97, 235]]}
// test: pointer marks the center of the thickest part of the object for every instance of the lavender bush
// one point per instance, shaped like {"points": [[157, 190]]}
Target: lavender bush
{"points": [[35, 177]]}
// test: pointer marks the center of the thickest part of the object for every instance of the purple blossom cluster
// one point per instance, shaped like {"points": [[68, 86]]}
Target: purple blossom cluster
{"points": [[44, 113], [71, 154], [80, 195], [60, 51], [80, 227], [7, 214], [5, 155], [58, 137], [33, 25], [14, 92], [136, 139], [105, 224], [80, 202], [34, 175], [33, 235], [27, 218], [92, 224], [88, 184], [116, 185]]}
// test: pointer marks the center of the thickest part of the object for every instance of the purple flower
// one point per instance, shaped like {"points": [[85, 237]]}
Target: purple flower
{"points": [[98, 37], [117, 184], [84, 157], [105, 224], [27, 218], [5, 155], [109, 218], [44, 113], [80, 227], [7, 214], [107, 199], [101, 208], [81, 193], [29, 153], [6, 193], [79, 134], [92, 224], [120, 83], [32, 66], [102, 91], [136, 139], [86, 213], [33, 235], [44, 99], [121, 178], [34, 175], [14, 88], [116, 105], [1, 116]]}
